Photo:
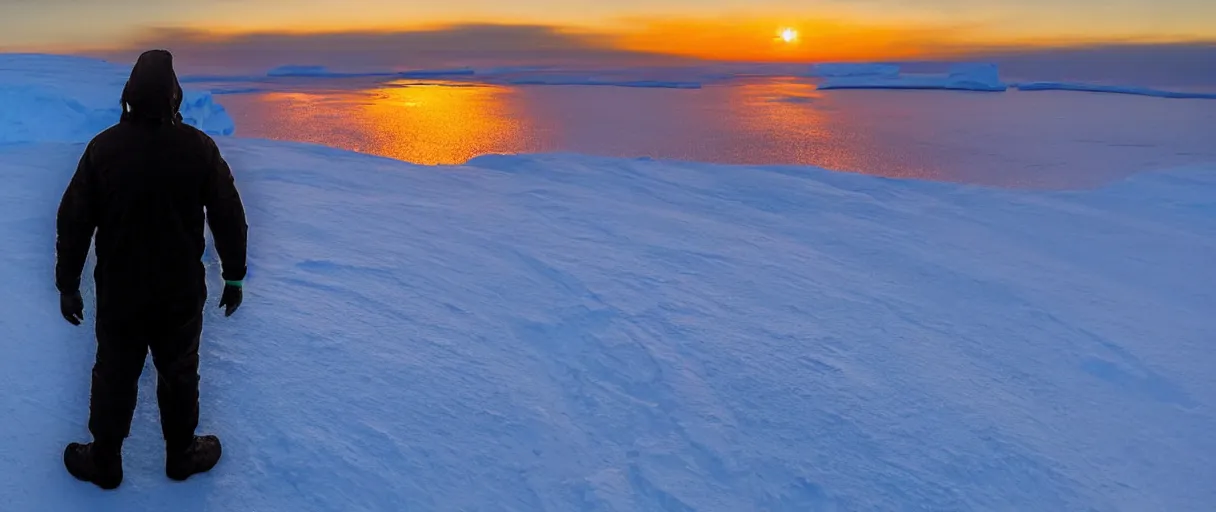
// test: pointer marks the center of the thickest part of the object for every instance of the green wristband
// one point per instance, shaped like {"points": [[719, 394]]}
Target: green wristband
{"points": [[237, 284]]}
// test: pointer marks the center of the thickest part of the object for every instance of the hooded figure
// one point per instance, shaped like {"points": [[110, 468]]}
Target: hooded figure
{"points": [[146, 186], [153, 92]]}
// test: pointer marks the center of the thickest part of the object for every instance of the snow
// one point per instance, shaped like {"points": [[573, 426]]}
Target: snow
{"points": [[976, 75], [851, 69], [1115, 89], [42, 99], [572, 333], [961, 77]]}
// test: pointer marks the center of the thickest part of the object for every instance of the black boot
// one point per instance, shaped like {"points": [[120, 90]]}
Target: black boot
{"points": [[88, 463], [199, 456]]}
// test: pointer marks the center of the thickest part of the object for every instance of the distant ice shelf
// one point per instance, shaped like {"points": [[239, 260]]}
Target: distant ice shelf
{"points": [[1113, 89], [574, 80], [851, 69], [961, 77], [325, 72]]}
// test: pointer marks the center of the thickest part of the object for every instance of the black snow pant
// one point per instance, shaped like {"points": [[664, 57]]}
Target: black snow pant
{"points": [[122, 347]]}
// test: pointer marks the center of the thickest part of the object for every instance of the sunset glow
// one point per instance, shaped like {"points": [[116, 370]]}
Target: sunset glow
{"points": [[403, 120], [753, 30]]}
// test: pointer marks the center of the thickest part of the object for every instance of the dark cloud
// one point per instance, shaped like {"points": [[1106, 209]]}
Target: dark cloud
{"points": [[465, 45]]}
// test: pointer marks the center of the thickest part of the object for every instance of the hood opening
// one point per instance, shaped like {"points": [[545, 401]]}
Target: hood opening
{"points": [[152, 92]]}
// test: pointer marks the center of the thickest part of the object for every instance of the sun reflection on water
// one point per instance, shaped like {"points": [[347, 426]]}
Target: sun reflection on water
{"points": [[438, 123], [425, 123], [803, 125], [908, 134]]}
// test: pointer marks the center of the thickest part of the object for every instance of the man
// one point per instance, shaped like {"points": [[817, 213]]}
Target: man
{"points": [[143, 186]]}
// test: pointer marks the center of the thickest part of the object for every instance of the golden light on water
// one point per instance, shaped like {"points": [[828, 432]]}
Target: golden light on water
{"points": [[450, 123], [434, 123], [783, 118], [439, 124]]}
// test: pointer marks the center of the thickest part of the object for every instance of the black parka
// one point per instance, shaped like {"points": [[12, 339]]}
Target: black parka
{"points": [[145, 187]]}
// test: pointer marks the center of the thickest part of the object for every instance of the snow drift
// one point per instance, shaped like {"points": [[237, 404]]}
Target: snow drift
{"points": [[961, 77], [571, 333], [1113, 89], [43, 98]]}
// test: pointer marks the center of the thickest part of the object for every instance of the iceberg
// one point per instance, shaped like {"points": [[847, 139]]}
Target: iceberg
{"points": [[200, 110], [977, 76], [1113, 89], [42, 99], [961, 77]]}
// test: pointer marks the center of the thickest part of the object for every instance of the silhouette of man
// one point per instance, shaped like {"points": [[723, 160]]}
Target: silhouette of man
{"points": [[143, 186]]}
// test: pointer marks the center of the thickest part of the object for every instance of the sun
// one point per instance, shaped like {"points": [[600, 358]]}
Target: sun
{"points": [[789, 35]]}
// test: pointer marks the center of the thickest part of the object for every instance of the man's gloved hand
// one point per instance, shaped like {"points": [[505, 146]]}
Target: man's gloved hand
{"points": [[234, 294], [71, 305]]}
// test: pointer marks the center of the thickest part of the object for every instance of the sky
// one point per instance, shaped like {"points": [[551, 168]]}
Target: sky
{"points": [[731, 30]]}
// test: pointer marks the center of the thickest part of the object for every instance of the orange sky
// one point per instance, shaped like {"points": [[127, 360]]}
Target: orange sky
{"points": [[759, 39], [713, 29]]}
